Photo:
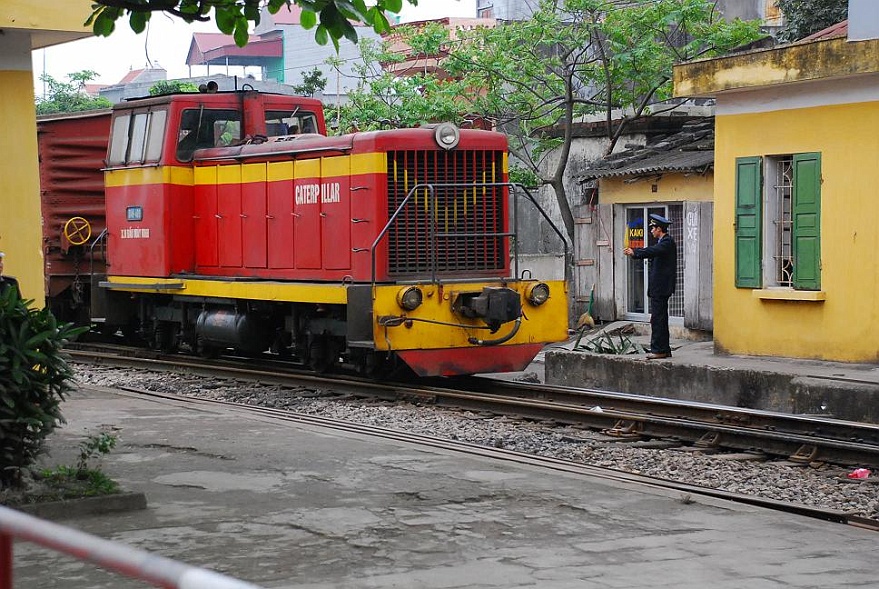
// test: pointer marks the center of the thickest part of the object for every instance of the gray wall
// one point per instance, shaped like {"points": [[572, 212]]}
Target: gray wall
{"points": [[506, 9], [743, 9], [302, 54], [522, 9], [863, 20]]}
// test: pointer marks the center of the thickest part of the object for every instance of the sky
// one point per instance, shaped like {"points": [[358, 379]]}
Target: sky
{"points": [[166, 44]]}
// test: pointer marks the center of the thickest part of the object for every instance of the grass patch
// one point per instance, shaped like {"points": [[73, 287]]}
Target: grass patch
{"points": [[63, 482]]}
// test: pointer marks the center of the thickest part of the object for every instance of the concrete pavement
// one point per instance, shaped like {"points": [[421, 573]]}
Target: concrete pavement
{"points": [[288, 505]]}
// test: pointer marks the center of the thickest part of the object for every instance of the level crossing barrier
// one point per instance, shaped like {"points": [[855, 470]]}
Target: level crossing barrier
{"points": [[113, 556]]}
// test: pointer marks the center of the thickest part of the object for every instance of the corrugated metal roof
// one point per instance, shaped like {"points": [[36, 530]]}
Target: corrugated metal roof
{"points": [[676, 161], [220, 49], [832, 32], [689, 151]]}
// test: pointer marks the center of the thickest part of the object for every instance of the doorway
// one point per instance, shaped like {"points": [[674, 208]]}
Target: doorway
{"points": [[636, 307]]}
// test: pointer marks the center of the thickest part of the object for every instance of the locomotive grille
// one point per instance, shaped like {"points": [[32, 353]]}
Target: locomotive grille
{"points": [[461, 220]]}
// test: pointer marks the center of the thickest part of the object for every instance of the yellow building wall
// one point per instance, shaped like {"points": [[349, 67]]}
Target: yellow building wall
{"points": [[843, 326], [20, 218], [26, 24], [669, 188]]}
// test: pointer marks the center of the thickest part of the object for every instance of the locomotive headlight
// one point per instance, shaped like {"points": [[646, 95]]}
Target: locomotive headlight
{"points": [[537, 294], [410, 298], [447, 135]]}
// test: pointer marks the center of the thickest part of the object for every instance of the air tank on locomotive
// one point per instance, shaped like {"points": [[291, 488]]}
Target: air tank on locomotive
{"points": [[226, 328]]}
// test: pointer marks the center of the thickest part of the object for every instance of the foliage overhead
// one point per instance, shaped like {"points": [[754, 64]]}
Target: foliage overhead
{"points": [[804, 17], [69, 96], [34, 379], [172, 87], [575, 60], [384, 99], [332, 18]]}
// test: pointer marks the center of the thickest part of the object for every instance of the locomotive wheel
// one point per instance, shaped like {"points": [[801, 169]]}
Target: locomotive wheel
{"points": [[131, 334], [320, 356], [373, 365], [164, 337]]}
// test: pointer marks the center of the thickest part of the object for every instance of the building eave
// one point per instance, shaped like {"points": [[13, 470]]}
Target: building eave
{"points": [[788, 64], [47, 26]]}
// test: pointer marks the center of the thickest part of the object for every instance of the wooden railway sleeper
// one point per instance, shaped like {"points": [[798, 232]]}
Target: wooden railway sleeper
{"points": [[625, 429]]}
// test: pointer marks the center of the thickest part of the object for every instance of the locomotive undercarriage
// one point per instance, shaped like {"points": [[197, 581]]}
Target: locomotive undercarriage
{"points": [[309, 334]]}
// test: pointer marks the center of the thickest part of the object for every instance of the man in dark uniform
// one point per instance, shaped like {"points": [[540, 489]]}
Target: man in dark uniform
{"points": [[7, 281], [661, 278]]}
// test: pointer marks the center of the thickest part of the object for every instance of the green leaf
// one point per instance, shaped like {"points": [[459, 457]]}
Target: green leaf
{"points": [[321, 35], [241, 34], [226, 19], [394, 6], [308, 19], [348, 31], [104, 24], [251, 12], [138, 21]]}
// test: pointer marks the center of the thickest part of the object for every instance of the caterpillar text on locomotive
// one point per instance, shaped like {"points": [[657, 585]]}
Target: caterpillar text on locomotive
{"points": [[230, 220]]}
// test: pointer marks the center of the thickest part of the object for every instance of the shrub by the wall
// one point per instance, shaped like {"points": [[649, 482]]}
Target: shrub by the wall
{"points": [[34, 378]]}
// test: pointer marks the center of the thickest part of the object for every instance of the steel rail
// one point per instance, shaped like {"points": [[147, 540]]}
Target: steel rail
{"points": [[806, 424], [803, 438]]}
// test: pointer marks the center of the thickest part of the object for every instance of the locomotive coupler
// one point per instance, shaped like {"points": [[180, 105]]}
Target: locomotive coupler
{"points": [[494, 305]]}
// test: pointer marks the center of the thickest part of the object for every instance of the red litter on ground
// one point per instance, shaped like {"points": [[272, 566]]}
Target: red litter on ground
{"points": [[859, 473]]}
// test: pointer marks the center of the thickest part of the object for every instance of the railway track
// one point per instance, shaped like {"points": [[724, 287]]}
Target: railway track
{"points": [[802, 439]]}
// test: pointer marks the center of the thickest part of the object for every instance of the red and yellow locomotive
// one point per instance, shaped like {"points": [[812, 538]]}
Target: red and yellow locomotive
{"points": [[233, 221]]}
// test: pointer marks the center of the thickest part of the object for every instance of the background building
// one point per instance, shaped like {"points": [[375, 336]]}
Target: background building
{"points": [[794, 191], [300, 54]]}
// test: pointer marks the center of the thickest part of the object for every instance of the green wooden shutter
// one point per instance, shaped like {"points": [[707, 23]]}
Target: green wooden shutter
{"points": [[749, 200], [807, 221]]}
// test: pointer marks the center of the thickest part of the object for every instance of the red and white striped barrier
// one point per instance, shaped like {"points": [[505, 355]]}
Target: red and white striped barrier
{"points": [[119, 558]]}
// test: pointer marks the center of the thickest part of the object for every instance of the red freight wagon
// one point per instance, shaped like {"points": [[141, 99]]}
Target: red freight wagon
{"points": [[72, 148]]}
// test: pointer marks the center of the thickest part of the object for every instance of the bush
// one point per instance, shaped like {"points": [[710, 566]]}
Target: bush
{"points": [[34, 378]]}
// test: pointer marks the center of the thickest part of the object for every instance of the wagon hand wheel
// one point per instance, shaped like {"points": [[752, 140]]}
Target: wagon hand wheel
{"points": [[77, 230]]}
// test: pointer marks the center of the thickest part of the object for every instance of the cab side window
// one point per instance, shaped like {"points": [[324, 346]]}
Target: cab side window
{"points": [[137, 138], [202, 128], [290, 122]]}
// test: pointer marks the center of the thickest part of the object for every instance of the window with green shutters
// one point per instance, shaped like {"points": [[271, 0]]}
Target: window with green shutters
{"points": [[806, 221], [749, 200], [777, 231]]}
